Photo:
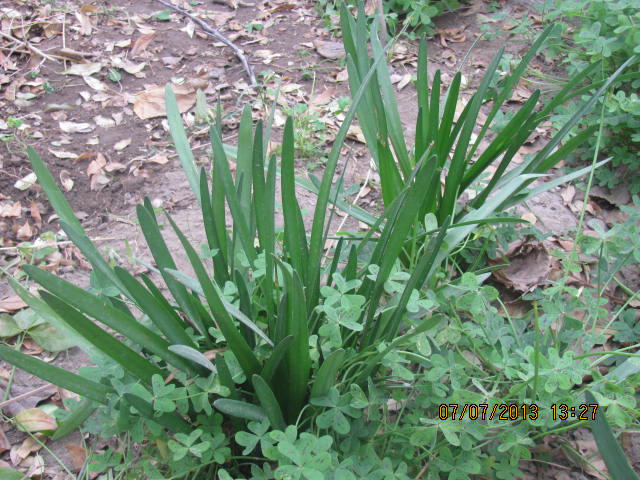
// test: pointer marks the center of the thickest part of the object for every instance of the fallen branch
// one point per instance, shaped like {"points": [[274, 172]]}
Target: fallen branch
{"points": [[33, 49], [212, 32]]}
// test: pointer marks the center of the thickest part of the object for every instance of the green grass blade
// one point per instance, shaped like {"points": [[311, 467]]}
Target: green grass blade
{"points": [[297, 363], [235, 340], [99, 309], [128, 359], [317, 242], [162, 315], [226, 380], [76, 418], [326, 376], [612, 454], [54, 194], [56, 375], [180, 140], [193, 355], [240, 409], [211, 226], [269, 402], [277, 355], [164, 260], [241, 223], [295, 239], [244, 160]]}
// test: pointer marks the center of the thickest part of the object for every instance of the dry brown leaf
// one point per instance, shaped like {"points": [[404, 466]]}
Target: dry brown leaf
{"points": [[73, 127], [122, 144], [617, 197], [324, 97], [62, 153], [83, 69], [19, 453], [66, 180], [10, 210], [96, 165], [35, 420], [78, 456], [141, 44], [454, 35], [128, 66], [529, 265], [35, 213], [355, 133], [520, 94], [104, 122], [85, 24], [4, 442], [568, 194], [159, 158], [98, 181], [25, 232], [12, 304], [327, 49], [150, 103]]}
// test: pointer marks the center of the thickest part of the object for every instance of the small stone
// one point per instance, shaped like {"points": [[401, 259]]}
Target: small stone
{"points": [[157, 203]]}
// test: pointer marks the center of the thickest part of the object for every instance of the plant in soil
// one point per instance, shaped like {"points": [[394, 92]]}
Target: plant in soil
{"points": [[276, 357]]}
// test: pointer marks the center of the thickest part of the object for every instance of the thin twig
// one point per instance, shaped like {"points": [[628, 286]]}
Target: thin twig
{"points": [[35, 50], [383, 23], [212, 32], [26, 395]]}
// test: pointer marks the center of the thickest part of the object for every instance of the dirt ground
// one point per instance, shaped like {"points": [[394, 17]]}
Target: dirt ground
{"points": [[82, 82]]}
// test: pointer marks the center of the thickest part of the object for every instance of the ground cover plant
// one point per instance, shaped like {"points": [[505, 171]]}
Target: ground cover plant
{"points": [[607, 32], [369, 355]]}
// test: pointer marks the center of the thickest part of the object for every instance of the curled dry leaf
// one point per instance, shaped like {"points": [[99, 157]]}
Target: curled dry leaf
{"points": [[12, 304], [35, 420], [331, 50], [28, 446], [35, 213], [62, 153], [104, 122], [150, 103], [529, 265], [73, 127], [25, 232], [141, 43], [85, 24], [66, 180], [10, 210], [26, 182], [128, 66], [83, 69], [122, 144]]}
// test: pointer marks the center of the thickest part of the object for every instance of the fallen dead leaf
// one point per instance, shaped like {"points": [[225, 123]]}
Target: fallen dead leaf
{"points": [[26, 182], [35, 213], [62, 153], [25, 232], [122, 144], [83, 69], [529, 265], [10, 210], [19, 453], [141, 44], [95, 84], [159, 158], [78, 456], [327, 49], [35, 420], [12, 304], [150, 102], [73, 127], [66, 180], [568, 194], [85, 24]]}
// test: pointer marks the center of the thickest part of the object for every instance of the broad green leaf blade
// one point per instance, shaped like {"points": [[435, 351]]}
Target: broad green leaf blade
{"points": [[268, 401], [211, 228], [131, 361], [195, 286], [235, 340], [172, 421], [295, 239], [180, 140], [273, 362], [240, 409], [164, 260], [76, 418], [56, 375], [102, 311], [297, 363], [326, 376], [226, 380], [164, 317], [194, 355], [612, 454], [55, 196]]}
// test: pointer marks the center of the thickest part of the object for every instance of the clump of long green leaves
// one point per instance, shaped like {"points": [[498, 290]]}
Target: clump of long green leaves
{"points": [[256, 293], [448, 143]]}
